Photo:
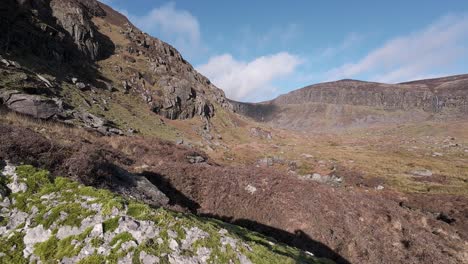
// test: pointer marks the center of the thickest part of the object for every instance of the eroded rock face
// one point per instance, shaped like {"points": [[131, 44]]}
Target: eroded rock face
{"points": [[384, 96], [58, 30], [32, 105], [351, 103], [75, 17], [182, 92]]}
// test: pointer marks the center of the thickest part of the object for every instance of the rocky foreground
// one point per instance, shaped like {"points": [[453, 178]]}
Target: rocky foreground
{"points": [[45, 220]]}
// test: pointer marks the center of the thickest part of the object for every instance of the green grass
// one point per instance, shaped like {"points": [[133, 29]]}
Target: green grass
{"points": [[111, 224], [69, 194]]}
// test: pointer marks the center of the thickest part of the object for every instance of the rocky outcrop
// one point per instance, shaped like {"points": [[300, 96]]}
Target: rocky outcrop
{"points": [[61, 31], [96, 226], [74, 16], [68, 36], [181, 92], [32, 105]]}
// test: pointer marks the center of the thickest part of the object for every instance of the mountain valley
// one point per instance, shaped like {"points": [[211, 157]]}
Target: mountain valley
{"points": [[97, 114]]}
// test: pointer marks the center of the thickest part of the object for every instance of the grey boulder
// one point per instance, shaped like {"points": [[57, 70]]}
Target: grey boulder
{"points": [[33, 105]]}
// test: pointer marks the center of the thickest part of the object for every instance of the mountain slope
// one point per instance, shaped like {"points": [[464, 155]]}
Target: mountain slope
{"points": [[348, 197], [57, 220], [350, 103], [87, 64]]}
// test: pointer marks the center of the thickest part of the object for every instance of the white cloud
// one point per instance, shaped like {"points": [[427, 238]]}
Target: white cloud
{"points": [[348, 42], [419, 54], [248, 80], [178, 27]]}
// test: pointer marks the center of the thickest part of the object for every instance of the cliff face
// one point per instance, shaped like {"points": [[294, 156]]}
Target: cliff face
{"points": [[183, 92], [452, 94], [348, 103]]}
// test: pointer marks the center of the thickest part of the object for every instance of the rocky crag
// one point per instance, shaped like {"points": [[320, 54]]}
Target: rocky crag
{"points": [[56, 55], [350, 103]]}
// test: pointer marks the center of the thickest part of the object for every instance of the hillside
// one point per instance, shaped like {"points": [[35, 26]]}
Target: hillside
{"points": [[350, 104], [83, 63], [57, 220]]}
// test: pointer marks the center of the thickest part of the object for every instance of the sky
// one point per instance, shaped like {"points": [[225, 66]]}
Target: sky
{"points": [[257, 50]]}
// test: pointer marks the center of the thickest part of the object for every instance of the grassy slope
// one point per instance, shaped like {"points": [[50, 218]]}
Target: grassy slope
{"points": [[256, 247]]}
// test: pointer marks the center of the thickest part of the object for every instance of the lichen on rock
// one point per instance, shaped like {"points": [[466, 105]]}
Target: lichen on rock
{"points": [[62, 221]]}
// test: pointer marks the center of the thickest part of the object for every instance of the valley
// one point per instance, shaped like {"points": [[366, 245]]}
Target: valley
{"points": [[338, 172]]}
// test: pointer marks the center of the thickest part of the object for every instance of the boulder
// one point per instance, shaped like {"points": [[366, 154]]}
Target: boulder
{"points": [[33, 105], [91, 120], [195, 159], [81, 86]]}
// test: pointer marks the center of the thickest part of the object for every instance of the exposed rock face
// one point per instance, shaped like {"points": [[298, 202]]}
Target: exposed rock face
{"points": [[75, 17], [75, 32], [180, 100], [182, 92], [58, 30], [32, 105], [384, 96], [348, 103]]}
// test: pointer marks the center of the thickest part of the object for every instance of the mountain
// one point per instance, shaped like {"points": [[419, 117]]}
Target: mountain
{"points": [[84, 63], [111, 143], [350, 103]]}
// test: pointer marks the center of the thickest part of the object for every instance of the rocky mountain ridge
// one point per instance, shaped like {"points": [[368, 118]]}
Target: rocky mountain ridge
{"points": [[360, 103], [52, 49]]}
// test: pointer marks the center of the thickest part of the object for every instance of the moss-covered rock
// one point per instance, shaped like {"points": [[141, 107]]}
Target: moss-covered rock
{"points": [[65, 221]]}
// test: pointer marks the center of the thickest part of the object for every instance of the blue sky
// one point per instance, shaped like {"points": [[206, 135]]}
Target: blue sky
{"points": [[256, 50]]}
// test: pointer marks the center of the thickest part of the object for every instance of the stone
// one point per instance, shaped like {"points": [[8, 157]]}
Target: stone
{"points": [[326, 179], [195, 159], [126, 86], [173, 245], [250, 189], [268, 162], [422, 173], [140, 230], [203, 254], [260, 133], [91, 120], [132, 131], [116, 131], [43, 79], [191, 236], [146, 258], [243, 259], [81, 86], [32, 105], [35, 235], [98, 230], [5, 62], [74, 80], [128, 245]]}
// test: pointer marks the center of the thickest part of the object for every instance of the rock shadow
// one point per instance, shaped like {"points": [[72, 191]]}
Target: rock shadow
{"points": [[175, 196], [298, 239]]}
